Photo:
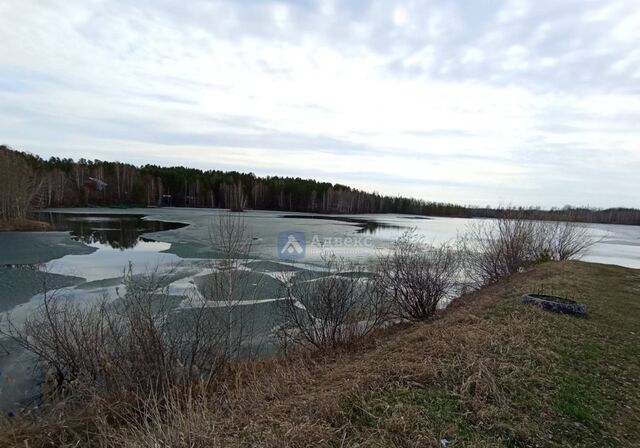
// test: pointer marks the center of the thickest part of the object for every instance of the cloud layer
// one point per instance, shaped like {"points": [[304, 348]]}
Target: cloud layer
{"points": [[478, 102]]}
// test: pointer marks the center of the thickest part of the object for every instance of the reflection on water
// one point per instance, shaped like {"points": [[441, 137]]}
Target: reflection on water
{"points": [[369, 226], [116, 231], [108, 262]]}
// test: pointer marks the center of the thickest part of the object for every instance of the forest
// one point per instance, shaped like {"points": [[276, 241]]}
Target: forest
{"points": [[29, 182]]}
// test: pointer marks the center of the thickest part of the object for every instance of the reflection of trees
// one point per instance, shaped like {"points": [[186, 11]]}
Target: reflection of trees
{"points": [[364, 225], [119, 232], [373, 227]]}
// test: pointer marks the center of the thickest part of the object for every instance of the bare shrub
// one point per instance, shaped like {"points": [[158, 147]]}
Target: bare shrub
{"points": [[564, 240], [230, 239], [340, 307], [497, 248], [416, 276], [137, 342], [145, 339], [231, 287]]}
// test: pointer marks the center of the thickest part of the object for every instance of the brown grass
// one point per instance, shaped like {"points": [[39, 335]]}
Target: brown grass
{"points": [[24, 225], [488, 371]]}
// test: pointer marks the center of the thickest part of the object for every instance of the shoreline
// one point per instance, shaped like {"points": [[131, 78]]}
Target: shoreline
{"points": [[24, 225], [487, 371]]}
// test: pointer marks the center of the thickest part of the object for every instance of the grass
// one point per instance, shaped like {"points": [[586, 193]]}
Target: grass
{"points": [[487, 372], [530, 378]]}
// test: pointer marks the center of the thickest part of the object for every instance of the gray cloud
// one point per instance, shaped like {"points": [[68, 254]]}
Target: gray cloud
{"points": [[524, 101]]}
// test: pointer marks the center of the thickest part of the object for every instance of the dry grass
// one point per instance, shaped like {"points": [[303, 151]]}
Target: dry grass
{"points": [[24, 225], [488, 371]]}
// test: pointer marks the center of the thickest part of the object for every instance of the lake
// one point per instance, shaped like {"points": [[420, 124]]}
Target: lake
{"points": [[86, 254]]}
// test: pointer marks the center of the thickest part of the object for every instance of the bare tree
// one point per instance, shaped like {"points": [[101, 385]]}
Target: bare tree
{"points": [[19, 185], [416, 276], [235, 197], [340, 307], [231, 287], [229, 237]]}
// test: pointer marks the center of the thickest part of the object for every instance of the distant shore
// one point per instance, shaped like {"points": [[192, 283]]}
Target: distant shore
{"points": [[24, 225]]}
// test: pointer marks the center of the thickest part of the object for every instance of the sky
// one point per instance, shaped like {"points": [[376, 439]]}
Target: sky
{"points": [[477, 102]]}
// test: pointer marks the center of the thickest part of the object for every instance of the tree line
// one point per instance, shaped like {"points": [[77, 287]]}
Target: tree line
{"points": [[28, 181], [63, 182]]}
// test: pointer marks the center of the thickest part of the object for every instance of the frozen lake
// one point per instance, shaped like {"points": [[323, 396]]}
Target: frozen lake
{"points": [[86, 255], [88, 252]]}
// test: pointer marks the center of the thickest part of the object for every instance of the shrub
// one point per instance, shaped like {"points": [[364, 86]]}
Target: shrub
{"points": [[137, 342], [340, 307], [141, 341], [416, 276], [497, 248], [564, 240]]}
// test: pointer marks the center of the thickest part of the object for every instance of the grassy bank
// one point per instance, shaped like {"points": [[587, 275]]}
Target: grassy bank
{"points": [[488, 371]]}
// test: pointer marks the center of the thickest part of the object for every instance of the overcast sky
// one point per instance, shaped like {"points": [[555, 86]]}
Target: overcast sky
{"points": [[474, 101]]}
